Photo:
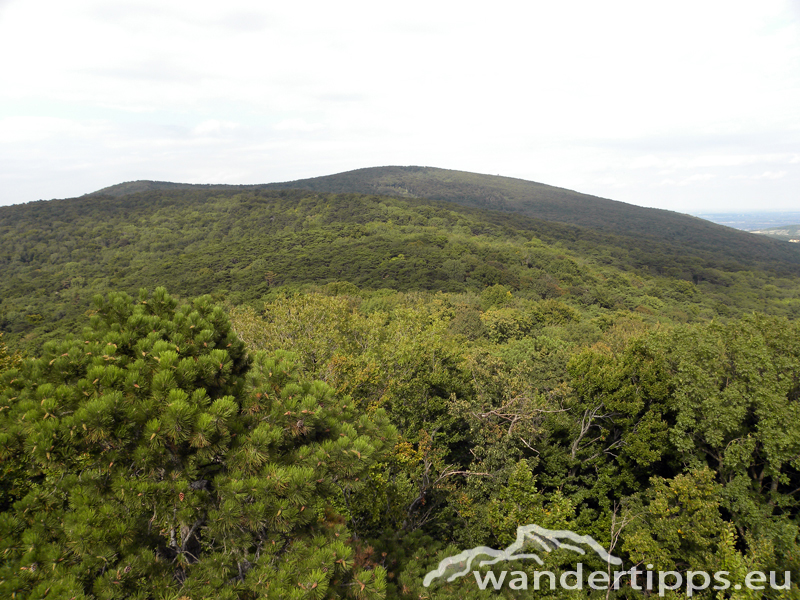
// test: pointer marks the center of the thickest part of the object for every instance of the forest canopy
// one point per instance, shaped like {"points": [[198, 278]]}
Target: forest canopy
{"points": [[339, 391], [329, 445], [244, 246]]}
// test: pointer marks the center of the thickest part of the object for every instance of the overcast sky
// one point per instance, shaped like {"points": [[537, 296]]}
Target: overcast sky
{"points": [[691, 106]]}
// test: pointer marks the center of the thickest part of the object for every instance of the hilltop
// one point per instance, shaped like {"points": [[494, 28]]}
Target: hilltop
{"points": [[679, 233], [127, 188], [552, 204], [243, 243]]}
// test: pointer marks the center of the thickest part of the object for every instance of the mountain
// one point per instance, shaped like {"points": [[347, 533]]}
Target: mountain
{"points": [[552, 204], [242, 243], [127, 188], [675, 233]]}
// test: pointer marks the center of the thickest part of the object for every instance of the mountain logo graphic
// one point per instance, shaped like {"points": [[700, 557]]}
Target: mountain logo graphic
{"points": [[547, 539]]}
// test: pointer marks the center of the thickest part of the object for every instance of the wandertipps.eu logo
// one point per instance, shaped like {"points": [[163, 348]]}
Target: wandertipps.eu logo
{"points": [[533, 537], [528, 535]]}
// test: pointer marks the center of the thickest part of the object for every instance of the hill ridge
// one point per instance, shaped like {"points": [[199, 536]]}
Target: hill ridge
{"points": [[529, 198], [241, 243]]}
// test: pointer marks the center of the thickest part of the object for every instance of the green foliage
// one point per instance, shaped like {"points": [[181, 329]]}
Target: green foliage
{"points": [[13, 476], [162, 459], [681, 528], [604, 380], [535, 421], [7, 360], [257, 479], [719, 401], [57, 255]]}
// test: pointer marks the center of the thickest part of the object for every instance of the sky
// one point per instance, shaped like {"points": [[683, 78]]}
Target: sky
{"points": [[689, 106]]}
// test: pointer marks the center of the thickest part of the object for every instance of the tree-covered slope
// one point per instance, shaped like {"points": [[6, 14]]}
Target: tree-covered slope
{"points": [[553, 204], [135, 187], [452, 373], [239, 245], [549, 203]]}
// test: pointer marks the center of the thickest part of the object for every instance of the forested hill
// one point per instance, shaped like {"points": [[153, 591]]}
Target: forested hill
{"points": [[135, 187], [241, 245], [552, 204], [376, 383], [691, 234]]}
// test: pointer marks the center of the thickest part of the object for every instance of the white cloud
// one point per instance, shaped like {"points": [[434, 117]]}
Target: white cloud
{"points": [[764, 175], [684, 181], [609, 95], [729, 160], [647, 162], [17, 129], [214, 128], [297, 124]]}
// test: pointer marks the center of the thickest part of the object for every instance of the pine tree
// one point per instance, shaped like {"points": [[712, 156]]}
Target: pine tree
{"points": [[11, 474], [164, 461]]}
